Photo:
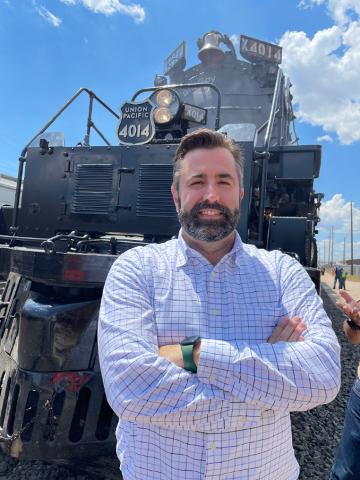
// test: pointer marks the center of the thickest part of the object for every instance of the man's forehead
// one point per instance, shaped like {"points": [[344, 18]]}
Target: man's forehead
{"points": [[202, 160]]}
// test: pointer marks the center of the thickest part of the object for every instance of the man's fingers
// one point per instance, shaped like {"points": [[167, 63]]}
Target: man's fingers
{"points": [[297, 333], [352, 310], [288, 330], [341, 305], [348, 298], [278, 330]]}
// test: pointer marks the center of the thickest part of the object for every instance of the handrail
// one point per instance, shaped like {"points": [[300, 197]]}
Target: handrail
{"points": [[22, 158], [265, 155], [273, 110]]}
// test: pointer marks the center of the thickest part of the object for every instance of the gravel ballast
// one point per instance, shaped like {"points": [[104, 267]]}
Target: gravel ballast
{"points": [[315, 433]]}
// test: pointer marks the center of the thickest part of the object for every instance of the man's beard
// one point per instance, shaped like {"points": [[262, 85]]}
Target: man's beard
{"points": [[209, 230]]}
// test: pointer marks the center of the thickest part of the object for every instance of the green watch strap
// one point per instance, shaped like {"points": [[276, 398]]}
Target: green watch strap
{"points": [[187, 353]]}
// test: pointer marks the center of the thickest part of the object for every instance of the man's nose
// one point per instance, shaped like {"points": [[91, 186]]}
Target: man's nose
{"points": [[211, 193]]}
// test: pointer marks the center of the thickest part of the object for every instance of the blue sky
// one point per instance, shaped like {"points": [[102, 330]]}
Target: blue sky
{"points": [[51, 48]]}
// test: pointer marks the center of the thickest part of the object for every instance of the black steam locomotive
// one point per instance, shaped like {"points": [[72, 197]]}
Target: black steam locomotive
{"points": [[77, 208]]}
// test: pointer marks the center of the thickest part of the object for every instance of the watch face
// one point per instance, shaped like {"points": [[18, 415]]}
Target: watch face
{"points": [[191, 340]]}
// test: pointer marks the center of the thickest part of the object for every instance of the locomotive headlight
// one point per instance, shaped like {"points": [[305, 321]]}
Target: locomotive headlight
{"points": [[163, 115], [167, 105], [164, 98]]}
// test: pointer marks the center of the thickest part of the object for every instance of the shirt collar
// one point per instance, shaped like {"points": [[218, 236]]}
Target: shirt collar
{"points": [[185, 252]]}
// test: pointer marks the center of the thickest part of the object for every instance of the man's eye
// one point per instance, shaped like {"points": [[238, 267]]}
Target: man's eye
{"points": [[197, 182]]}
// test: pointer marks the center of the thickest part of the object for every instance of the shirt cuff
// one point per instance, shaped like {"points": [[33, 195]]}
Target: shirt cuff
{"points": [[215, 362]]}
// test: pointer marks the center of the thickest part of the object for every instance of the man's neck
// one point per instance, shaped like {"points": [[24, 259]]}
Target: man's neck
{"points": [[212, 251]]}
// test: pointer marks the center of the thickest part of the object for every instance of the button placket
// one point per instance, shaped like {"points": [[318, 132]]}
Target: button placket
{"points": [[215, 301]]}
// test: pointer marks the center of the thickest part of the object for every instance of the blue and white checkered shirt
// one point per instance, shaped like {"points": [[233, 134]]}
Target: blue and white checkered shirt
{"points": [[231, 419]]}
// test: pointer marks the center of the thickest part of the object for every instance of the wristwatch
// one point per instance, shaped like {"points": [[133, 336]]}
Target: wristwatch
{"points": [[352, 324], [187, 348]]}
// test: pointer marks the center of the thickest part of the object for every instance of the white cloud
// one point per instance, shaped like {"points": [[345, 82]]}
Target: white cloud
{"points": [[110, 7], [339, 10], [336, 213], [324, 249], [47, 15], [324, 138], [325, 70], [306, 4]]}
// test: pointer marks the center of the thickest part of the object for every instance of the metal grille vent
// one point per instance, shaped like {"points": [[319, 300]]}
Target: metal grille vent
{"points": [[154, 197], [93, 191]]}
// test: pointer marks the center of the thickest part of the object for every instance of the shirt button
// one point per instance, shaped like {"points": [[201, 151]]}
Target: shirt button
{"points": [[242, 419], [212, 378], [214, 311], [214, 274], [212, 446]]}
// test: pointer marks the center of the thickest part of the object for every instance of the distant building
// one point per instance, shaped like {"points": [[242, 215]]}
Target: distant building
{"points": [[7, 189], [356, 261]]}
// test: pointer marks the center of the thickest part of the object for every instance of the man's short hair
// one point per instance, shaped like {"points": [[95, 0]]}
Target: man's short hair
{"points": [[205, 138]]}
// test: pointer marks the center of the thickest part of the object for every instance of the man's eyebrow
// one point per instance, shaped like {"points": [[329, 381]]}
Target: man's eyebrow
{"points": [[202, 175], [225, 175], [197, 175]]}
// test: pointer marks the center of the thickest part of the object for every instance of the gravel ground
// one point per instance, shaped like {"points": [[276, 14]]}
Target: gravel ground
{"points": [[103, 469], [316, 433]]}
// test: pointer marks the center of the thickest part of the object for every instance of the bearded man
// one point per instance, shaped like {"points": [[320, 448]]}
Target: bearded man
{"points": [[207, 344]]}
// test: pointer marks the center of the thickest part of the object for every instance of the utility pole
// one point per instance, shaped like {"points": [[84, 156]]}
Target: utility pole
{"points": [[332, 245], [344, 252], [352, 240]]}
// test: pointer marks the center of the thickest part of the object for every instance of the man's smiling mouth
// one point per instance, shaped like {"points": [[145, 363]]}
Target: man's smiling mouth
{"points": [[210, 212]]}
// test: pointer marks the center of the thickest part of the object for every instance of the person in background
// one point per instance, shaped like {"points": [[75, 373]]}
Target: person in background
{"points": [[337, 271], [347, 460], [344, 275]]}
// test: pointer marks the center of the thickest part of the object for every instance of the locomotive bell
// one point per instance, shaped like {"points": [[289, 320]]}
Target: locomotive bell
{"points": [[210, 52]]}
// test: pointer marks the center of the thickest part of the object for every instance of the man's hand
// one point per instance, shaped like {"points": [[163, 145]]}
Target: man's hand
{"points": [[288, 330], [351, 308]]}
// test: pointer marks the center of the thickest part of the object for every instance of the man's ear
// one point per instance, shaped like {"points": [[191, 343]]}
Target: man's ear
{"points": [[241, 194], [175, 196]]}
